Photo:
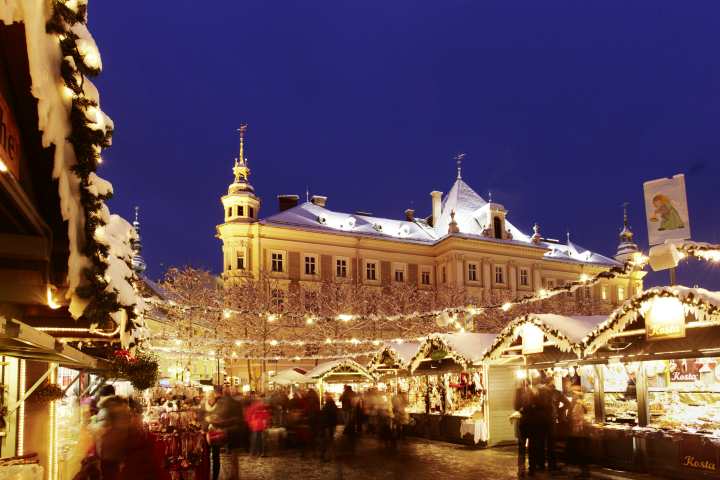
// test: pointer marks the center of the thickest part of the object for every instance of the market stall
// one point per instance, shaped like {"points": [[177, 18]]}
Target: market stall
{"points": [[333, 376], [657, 373], [447, 387]]}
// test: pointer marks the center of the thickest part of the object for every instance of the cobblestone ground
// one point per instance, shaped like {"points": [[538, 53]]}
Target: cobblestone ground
{"points": [[414, 459]]}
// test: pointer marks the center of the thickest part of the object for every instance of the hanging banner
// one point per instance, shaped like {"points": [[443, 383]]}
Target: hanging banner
{"points": [[532, 339], [666, 209]]}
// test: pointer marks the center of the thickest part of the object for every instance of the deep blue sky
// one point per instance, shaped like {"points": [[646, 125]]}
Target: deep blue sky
{"points": [[563, 107]]}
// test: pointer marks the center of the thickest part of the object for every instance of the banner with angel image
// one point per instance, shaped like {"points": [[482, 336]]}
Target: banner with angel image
{"points": [[666, 209]]}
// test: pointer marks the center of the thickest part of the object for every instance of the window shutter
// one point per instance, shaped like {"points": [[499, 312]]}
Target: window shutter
{"points": [[294, 265], [326, 268], [385, 273], [413, 273]]}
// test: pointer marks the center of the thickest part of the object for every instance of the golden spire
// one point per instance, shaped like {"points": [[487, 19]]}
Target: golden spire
{"points": [[241, 170]]}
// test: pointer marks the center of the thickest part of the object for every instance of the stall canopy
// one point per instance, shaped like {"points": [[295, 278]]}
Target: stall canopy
{"points": [[542, 338], [289, 376], [452, 350], [339, 371], [393, 356], [20, 340], [676, 320]]}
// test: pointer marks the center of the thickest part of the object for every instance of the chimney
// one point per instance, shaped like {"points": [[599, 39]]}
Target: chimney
{"points": [[319, 200], [286, 202], [436, 206], [410, 215]]}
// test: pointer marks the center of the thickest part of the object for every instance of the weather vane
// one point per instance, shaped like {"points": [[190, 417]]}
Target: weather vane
{"points": [[242, 129], [458, 159]]}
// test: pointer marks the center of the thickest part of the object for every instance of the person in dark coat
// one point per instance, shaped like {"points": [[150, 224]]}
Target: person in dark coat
{"points": [[328, 421], [347, 400]]}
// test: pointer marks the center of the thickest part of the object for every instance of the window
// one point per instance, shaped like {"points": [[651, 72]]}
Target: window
{"points": [[549, 283], [499, 274], [497, 226], [277, 263], [399, 275], [229, 212], [621, 294], [239, 209], [310, 265], [251, 212], [604, 292], [444, 274], [524, 277], [425, 277], [341, 268], [371, 271], [240, 260], [472, 272]]}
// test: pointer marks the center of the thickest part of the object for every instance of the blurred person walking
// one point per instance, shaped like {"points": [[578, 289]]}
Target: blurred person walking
{"points": [[328, 423]]}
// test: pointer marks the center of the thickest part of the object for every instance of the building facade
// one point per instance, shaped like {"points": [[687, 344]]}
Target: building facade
{"points": [[466, 242]]}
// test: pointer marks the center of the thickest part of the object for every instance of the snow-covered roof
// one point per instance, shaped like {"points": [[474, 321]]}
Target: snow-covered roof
{"points": [[567, 332], [702, 304], [340, 365], [289, 376], [472, 214], [465, 348], [310, 216], [56, 100], [401, 352]]}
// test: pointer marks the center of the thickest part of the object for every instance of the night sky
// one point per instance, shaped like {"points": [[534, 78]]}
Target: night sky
{"points": [[564, 108]]}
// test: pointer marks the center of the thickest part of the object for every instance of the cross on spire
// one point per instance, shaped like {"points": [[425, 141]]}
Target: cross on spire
{"points": [[240, 169]]}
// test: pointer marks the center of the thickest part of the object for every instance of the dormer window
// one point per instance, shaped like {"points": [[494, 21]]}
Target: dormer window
{"points": [[497, 227]]}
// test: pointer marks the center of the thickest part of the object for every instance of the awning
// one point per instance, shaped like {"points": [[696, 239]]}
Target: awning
{"points": [[23, 341]]}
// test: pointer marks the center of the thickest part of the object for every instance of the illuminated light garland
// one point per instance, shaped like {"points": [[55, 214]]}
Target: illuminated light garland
{"points": [[170, 353], [21, 409]]}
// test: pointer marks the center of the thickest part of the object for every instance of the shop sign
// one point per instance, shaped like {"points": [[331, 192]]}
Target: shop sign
{"points": [[533, 339], [698, 455], [9, 140], [665, 319], [684, 371], [666, 209]]}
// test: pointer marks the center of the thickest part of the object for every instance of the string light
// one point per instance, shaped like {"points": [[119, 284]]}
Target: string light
{"points": [[345, 317], [50, 300], [272, 317], [506, 307], [3, 167]]}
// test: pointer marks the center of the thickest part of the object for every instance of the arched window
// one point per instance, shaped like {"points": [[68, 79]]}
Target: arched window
{"points": [[497, 224]]}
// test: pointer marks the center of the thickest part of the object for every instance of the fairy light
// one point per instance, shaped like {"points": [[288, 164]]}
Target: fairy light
{"points": [[272, 317], [344, 317], [310, 320], [52, 440], [226, 313], [238, 343], [21, 410], [3, 167], [273, 343], [584, 277], [328, 341], [506, 306]]}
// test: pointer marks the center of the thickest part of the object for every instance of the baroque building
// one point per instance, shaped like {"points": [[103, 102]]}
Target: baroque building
{"points": [[466, 242]]}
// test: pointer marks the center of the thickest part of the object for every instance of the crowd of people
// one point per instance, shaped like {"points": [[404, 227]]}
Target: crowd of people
{"points": [[549, 421], [237, 421]]}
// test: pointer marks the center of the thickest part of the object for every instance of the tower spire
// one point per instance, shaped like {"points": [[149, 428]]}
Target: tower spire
{"points": [[138, 262], [627, 247], [458, 159], [240, 169]]}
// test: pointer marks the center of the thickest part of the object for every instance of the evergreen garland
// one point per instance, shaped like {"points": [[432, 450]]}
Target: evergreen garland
{"points": [[87, 143]]}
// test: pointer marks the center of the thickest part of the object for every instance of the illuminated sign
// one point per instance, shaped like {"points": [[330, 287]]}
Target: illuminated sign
{"points": [[533, 339], [9, 141], [664, 319]]}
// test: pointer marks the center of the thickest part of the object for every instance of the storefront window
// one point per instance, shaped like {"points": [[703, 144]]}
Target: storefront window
{"points": [[685, 394], [620, 393]]}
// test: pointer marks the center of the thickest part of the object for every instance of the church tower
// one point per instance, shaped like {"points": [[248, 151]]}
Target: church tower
{"points": [[241, 210]]}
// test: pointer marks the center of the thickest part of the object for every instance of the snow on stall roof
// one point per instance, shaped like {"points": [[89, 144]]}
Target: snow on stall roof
{"points": [[53, 109], [328, 367], [471, 345], [703, 304], [575, 328], [289, 376]]}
